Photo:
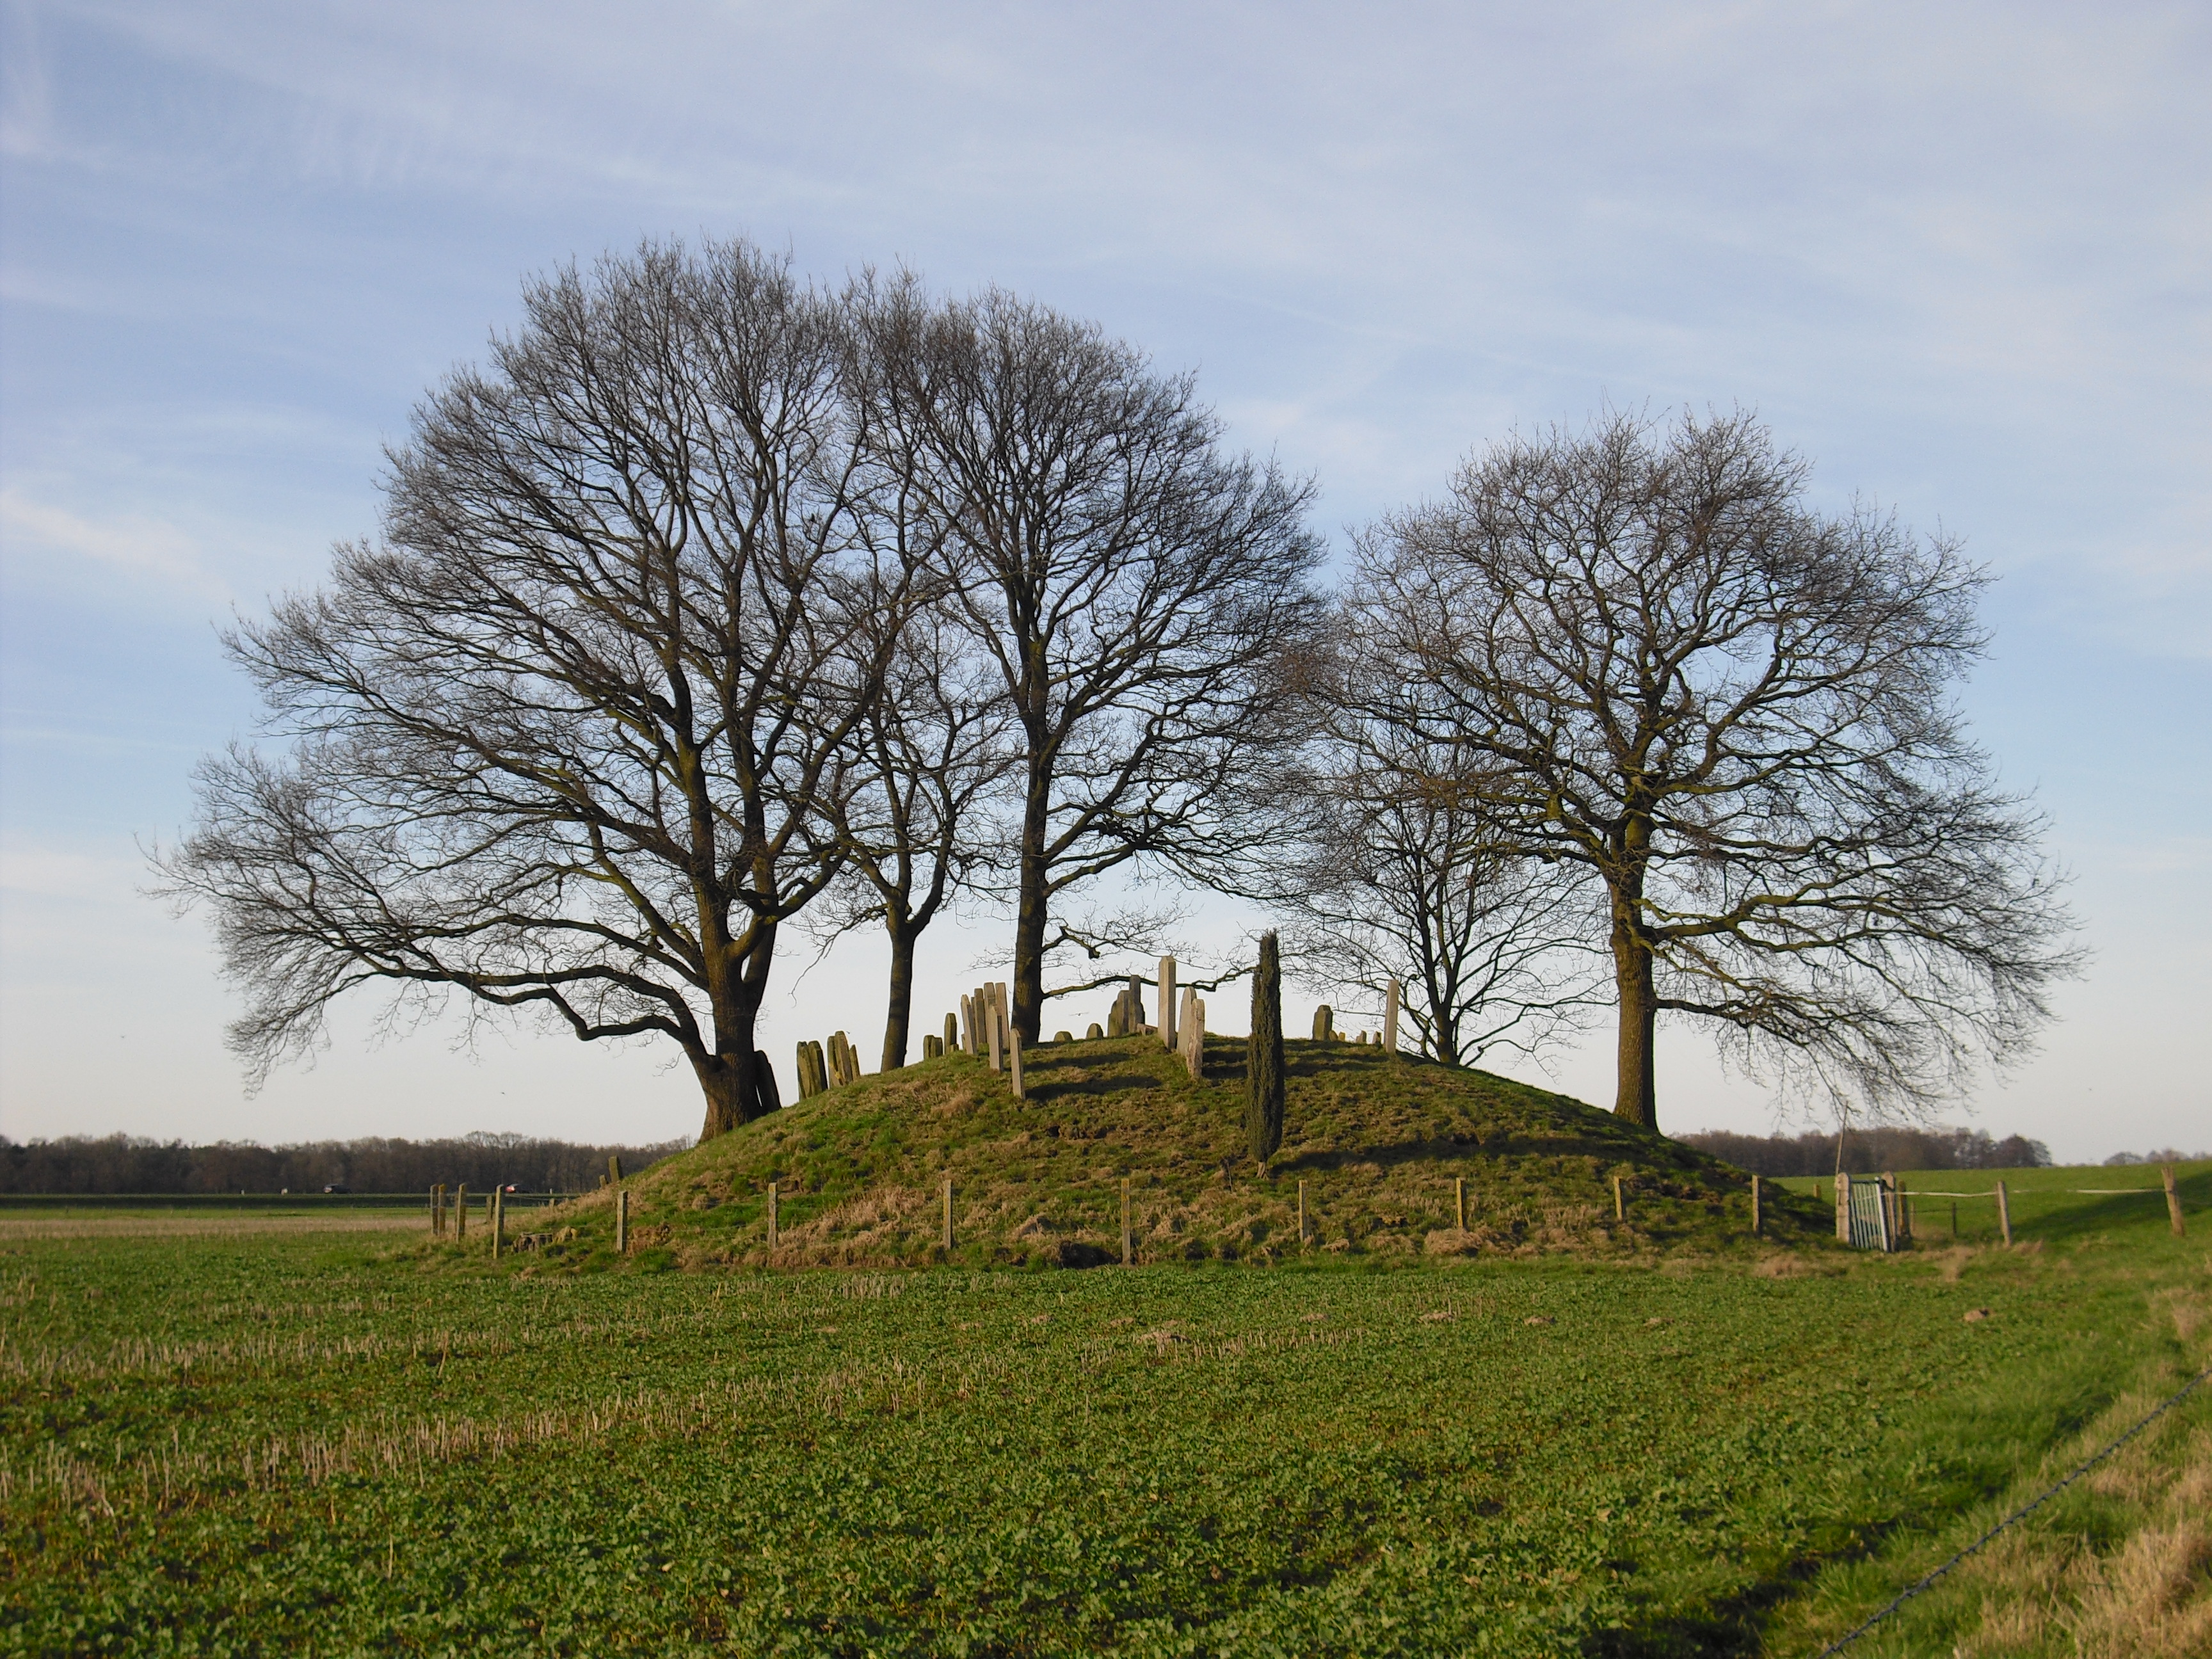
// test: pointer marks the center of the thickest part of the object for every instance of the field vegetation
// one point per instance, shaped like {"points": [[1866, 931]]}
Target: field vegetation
{"points": [[1662, 1439]]}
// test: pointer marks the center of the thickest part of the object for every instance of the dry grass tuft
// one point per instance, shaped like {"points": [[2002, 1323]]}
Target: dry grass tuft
{"points": [[2047, 1590], [1782, 1266]]}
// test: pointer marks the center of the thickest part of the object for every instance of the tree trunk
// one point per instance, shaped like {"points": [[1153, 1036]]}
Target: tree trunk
{"points": [[900, 1014], [735, 1089], [1029, 918], [1636, 1097], [730, 1078]]}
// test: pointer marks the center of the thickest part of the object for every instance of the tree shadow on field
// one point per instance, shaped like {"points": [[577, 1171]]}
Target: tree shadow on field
{"points": [[1040, 1092], [1403, 1152], [1731, 1625]]}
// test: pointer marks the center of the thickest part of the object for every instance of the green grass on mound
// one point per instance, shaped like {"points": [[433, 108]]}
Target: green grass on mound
{"points": [[1377, 1144]]}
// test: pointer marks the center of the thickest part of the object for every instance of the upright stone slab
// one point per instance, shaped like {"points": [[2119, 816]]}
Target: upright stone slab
{"points": [[990, 1031], [1168, 1003], [1390, 1018]]}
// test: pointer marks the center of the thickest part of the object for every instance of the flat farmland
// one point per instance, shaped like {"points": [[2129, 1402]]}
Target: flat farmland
{"points": [[264, 1441]]}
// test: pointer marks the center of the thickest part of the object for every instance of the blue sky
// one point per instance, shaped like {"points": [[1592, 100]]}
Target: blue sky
{"points": [[1958, 254]]}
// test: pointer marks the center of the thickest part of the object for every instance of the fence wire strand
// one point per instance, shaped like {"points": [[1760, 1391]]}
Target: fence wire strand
{"points": [[2019, 1513]]}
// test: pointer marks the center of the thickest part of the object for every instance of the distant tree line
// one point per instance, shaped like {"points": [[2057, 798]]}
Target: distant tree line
{"points": [[128, 1163], [1872, 1151], [716, 603]]}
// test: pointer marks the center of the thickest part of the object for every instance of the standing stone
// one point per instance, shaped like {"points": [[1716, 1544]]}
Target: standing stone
{"points": [[1193, 1022], [1263, 1055], [951, 1035], [1168, 1003], [1093, 1032], [1324, 1024], [990, 1031], [1390, 1018]]}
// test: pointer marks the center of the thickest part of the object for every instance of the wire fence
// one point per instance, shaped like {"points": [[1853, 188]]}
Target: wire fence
{"points": [[2018, 1515]]}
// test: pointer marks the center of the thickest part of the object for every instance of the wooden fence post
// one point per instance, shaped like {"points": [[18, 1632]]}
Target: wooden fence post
{"points": [[1620, 1202], [461, 1212], [621, 1221], [1904, 1211], [948, 1213], [1128, 1238], [1954, 1221], [614, 1170], [498, 1220], [438, 1211], [1842, 1207], [771, 1219], [2005, 1213], [1754, 1207], [1459, 1201], [2172, 1202]]}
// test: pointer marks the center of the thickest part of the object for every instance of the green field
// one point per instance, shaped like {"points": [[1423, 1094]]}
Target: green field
{"points": [[280, 1436], [2057, 1206]]}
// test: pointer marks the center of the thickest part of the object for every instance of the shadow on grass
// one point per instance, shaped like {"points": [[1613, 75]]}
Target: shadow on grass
{"points": [[1734, 1624]]}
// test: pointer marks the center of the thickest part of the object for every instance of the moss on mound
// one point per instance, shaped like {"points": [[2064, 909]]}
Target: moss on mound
{"points": [[1378, 1144]]}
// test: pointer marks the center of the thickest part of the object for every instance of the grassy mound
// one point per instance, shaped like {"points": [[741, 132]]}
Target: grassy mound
{"points": [[1377, 1144]]}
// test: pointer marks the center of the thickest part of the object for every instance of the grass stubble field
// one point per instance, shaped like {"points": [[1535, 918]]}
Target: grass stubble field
{"points": [[331, 1435]]}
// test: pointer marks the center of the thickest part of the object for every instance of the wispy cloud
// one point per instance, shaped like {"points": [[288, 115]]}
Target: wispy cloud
{"points": [[36, 534]]}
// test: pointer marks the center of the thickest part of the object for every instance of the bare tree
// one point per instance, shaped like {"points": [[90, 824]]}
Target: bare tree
{"points": [[564, 741], [929, 755], [1652, 658], [1135, 589], [1404, 877]]}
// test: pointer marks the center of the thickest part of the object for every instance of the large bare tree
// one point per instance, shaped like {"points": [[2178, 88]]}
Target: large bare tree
{"points": [[567, 738], [1136, 589], [1651, 657]]}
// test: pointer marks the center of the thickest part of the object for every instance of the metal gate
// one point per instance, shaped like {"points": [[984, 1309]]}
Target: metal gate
{"points": [[1869, 1214]]}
